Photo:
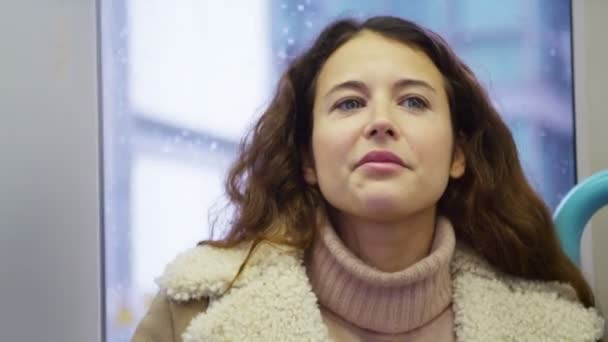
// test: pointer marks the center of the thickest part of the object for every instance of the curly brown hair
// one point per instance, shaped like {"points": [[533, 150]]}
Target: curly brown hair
{"points": [[492, 207]]}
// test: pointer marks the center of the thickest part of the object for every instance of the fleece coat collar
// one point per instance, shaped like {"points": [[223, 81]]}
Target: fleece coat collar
{"points": [[272, 300]]}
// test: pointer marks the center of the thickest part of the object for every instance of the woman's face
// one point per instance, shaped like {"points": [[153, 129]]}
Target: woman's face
{"points": [[382, 141]]}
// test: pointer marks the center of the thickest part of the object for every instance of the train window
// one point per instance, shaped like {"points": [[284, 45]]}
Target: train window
{"points": [[183, 80]]}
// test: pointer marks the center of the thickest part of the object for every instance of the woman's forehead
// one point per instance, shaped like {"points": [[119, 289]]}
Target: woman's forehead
{"points": [[372, 58]]}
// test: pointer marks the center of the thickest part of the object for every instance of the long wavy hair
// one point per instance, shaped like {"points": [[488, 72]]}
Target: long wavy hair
{"points": [[492, 207]]}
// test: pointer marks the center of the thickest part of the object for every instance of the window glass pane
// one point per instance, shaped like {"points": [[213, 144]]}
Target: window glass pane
{"points": [[183, 80], [184, 72], [168, 197]]}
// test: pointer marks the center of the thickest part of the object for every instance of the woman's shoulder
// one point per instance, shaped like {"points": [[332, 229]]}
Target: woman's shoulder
{"points": [[206, 271], [201, 271], [185, 287], [504, 305], [270, 287]]}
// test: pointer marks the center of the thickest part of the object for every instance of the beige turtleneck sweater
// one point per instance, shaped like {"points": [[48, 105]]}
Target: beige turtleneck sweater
{"points": [[361, 303]]}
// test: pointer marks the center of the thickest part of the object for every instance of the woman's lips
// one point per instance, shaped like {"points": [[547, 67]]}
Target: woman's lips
{"points": [[381, 168], [381, 159]]}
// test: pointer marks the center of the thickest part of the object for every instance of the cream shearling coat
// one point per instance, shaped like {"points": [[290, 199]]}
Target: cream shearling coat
{"points": [[272, 300]]}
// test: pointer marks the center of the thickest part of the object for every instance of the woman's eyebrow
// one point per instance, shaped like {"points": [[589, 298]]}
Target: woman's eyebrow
{"points": [[410, 82], [361, 87], [354, 85]]}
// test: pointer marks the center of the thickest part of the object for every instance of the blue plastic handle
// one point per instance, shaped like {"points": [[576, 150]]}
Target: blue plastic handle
{"points": [[577, 208]]}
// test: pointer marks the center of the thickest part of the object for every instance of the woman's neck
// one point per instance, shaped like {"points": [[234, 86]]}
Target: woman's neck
{"points": [[389, 246]]}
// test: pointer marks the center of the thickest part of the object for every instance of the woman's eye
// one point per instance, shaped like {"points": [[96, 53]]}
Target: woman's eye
{"points": [[415, 103], [349, 104]]}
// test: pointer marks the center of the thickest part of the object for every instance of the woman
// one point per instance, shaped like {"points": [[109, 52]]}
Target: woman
{"points": [[379, 197]]}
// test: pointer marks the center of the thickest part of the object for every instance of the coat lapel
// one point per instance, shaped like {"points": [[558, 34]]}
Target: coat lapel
{"points": [[489, 306], [272, 300]]}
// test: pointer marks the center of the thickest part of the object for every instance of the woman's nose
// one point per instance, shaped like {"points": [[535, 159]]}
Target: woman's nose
{"points": [[380, 126]]}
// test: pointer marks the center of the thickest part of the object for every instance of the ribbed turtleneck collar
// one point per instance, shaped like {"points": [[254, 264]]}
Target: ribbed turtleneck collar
{"points": [[379, 301]]}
